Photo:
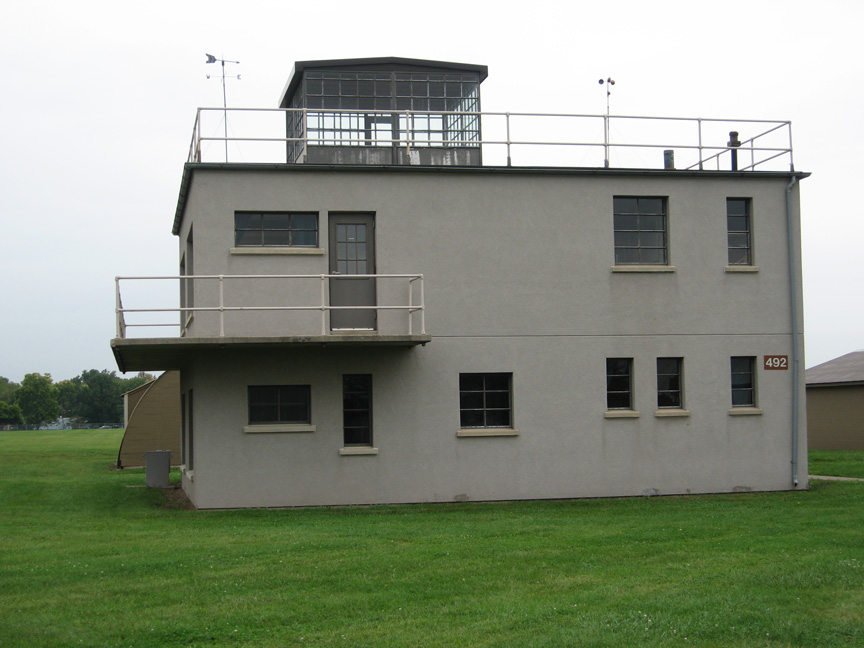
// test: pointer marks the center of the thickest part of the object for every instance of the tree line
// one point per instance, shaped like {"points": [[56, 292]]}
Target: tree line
{"points": [[93, 397]]}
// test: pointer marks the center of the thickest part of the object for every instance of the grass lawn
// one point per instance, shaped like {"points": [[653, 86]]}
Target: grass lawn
{"points": [[90, 558], [839, 463]]}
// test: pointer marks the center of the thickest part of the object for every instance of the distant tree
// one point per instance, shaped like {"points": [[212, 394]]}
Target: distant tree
{"points": [[7, 390], [68, 396], [37, 398], [99, 398], [10, 413]]}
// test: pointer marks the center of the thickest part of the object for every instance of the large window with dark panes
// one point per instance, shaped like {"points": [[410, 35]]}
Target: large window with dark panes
{"points": [[670, 391], [276, 229], [378, 108], [280, 404], [619, 383], [738, 228], [743, 369], [485, 400], [640, 230]]}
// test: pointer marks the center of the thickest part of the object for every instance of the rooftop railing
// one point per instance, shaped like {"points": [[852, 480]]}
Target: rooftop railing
{"points": [[506, 139]]}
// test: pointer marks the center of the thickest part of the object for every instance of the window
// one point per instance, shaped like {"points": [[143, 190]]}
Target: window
{"points": [[276, 229], [357, 409], [743, 381], [280, 404], [669, 383], [640, 230], [485, 400], [619, 383], [738, 231]]}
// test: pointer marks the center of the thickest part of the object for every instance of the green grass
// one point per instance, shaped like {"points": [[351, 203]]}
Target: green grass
{"points": [[89, 558], [838, 463]]}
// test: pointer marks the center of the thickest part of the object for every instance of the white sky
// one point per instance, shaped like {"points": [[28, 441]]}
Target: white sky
{"points": [[97, 103]]}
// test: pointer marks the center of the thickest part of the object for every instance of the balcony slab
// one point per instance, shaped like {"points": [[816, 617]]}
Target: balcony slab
{"points": [[163, 354]]}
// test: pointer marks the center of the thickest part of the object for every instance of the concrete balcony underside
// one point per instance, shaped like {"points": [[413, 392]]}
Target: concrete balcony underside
{"points": [[162, 354]]}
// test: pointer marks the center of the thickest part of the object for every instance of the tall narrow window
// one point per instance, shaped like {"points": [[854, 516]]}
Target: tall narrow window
{"points": [[619, 383], [357, 409], [738, 231], [485, 400], [743, 381], [640, 230], [669, 383]]}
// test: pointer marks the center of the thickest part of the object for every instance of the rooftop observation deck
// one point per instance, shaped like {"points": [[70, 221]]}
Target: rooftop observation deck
{"points": [[488, 139]]}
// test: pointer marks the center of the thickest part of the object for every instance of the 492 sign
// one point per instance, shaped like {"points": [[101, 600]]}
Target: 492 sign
{"points": [[776, 362]]}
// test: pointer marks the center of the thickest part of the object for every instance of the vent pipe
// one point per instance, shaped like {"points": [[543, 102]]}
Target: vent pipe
{"points": [[733, 145], [668, 159]]}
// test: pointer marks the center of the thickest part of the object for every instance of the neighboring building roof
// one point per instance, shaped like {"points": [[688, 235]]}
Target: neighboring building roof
{"points": [[845, 369], [381, 63]]}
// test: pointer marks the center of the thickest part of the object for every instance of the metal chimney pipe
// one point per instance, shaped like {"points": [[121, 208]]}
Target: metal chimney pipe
{"points": [[733, 145], [668, 159]]}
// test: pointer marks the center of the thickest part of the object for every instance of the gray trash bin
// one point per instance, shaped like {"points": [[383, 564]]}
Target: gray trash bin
{"points": [[158, 467]]}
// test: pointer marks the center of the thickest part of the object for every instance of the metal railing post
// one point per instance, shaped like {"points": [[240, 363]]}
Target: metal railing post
{"points": [[507, 122], [221, 306], [118, 307], [323, 305], [422, 308], [409, 128], [701, 153], [791, 161], [410, 304], [606, 141]]}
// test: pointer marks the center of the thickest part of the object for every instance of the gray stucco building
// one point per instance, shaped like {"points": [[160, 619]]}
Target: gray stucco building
{"points": [[396, 309]]}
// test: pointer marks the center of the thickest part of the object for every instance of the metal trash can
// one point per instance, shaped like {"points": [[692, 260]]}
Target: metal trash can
{"points": [[158, 467]]}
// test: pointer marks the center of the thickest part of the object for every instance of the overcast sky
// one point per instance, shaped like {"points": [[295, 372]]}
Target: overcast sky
{"points": [[98, 101]]}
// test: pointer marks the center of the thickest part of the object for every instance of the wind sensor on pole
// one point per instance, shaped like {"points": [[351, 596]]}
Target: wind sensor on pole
{"points": [[213, 59], [609, 83]]}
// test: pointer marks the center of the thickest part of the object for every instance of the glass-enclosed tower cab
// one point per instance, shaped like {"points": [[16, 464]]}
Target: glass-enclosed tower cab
{"points": [[384, 111]]}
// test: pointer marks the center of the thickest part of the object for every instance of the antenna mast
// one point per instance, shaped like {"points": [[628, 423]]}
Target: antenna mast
{"points": [[213, 59], [609, 83]]}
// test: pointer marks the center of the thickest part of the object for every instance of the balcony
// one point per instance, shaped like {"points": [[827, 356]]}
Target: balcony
{"points": [[455, 138], [262, 311]]}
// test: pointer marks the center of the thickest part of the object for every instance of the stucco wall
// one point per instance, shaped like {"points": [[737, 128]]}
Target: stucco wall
{"points": [[519, 278]]}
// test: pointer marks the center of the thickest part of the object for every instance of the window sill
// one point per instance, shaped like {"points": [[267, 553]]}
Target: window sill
{"points": [[672, 412], [278, 428], [746, 411], [353, 451], [643, 268], [487, 432], [613, 414], [742, 268], [300, 251]]}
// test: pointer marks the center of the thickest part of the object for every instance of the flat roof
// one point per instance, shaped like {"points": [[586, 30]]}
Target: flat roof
{"points": [[283, 167]]}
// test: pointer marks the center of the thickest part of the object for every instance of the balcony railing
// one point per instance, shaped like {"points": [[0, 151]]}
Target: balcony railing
{"points": [[506, 139], [219, 300]]}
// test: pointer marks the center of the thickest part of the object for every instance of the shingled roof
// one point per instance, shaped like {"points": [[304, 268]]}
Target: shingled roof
{"points": [[845, 369]]}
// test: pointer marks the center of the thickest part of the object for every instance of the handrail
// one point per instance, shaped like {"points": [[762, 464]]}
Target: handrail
{"points": [[581, 131], [186, 312]]}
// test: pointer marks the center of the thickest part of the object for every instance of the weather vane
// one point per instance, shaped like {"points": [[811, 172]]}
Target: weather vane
{"points": [[213, 59], [609, 83]]}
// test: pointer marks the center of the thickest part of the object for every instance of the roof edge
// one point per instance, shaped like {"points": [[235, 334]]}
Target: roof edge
{"points": [[281, 167]]}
